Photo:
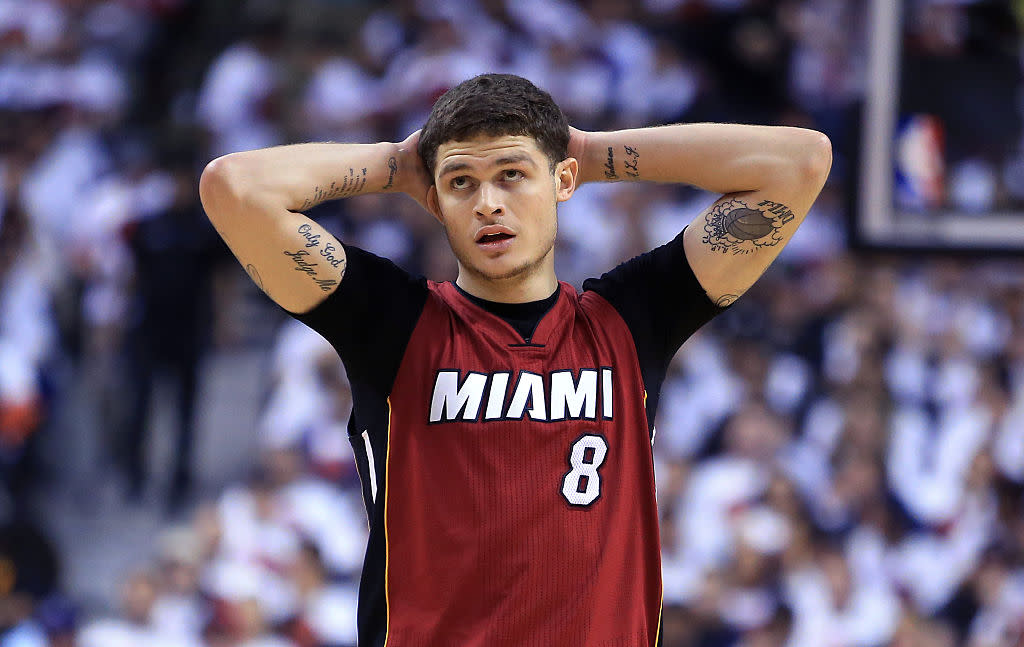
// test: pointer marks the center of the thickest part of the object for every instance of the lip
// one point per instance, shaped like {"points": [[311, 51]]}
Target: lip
{"points": [[497, 246], [492, 229]]}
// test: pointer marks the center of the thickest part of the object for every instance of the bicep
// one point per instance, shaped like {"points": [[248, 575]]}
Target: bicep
{"points": [[293, 259], [370, 317], [731, 243]]}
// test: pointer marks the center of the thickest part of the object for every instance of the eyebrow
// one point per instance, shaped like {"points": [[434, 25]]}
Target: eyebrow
{"points": [[502, 161]]}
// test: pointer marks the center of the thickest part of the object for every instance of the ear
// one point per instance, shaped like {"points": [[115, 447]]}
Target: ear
{"points": [[566, 173], [433, 205]]}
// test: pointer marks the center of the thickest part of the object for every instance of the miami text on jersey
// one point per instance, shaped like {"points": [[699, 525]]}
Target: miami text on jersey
{"points": [[558, 395]]}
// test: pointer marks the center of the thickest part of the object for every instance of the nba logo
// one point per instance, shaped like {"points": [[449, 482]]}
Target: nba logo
{"points": [[919, 163]]}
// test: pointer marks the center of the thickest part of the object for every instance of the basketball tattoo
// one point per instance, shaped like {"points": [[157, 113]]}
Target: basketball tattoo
{"points": [[734, 227]]}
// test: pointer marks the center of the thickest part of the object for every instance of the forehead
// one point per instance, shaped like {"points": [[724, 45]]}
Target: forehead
{"points": [[485, 150]]}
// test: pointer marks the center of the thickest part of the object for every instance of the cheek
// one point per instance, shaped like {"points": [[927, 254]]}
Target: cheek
{"points": [[450, 214], [546, 220]]}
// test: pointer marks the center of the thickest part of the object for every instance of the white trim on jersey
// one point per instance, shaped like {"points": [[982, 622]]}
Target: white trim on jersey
{"points": [[369, 462]]}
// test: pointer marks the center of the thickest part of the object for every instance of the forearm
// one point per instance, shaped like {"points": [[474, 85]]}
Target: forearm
{"points": [[254, 200], [300, 176], [722, 158]]}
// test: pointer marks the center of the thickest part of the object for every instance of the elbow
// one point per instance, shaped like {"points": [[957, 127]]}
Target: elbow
{"points": [[220, 187], [816, 160]]}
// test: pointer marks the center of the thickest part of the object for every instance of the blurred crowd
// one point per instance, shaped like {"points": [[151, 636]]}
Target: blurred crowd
{"points": [[840, 456]]}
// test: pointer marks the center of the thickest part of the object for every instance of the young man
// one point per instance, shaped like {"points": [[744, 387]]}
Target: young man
{"points": [[503, 423]]}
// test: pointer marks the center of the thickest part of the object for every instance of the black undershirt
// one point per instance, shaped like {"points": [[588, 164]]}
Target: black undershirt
{"points": [[524, 317]]}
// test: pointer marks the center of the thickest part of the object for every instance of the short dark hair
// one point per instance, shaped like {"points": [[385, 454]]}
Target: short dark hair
{"points": [[495, 105]]}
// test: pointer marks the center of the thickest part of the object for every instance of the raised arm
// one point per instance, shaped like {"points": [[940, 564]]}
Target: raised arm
{"points": [[770, 176], [254, 200]]}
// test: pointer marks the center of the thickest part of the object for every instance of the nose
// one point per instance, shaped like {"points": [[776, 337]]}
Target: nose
{"points": [[489, 201]]}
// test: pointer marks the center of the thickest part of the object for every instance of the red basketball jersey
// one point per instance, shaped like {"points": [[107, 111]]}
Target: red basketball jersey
{"points": [[520, 502], [508, 479]]}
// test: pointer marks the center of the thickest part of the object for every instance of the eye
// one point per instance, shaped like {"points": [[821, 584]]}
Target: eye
{"points": [[459, 182], [513, 174]]}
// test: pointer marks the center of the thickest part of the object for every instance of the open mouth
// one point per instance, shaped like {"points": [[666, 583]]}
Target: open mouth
{"points": [[494, 238]]}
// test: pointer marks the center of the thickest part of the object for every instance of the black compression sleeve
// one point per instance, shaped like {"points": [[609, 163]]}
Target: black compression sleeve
{"points": [[370, 317]]}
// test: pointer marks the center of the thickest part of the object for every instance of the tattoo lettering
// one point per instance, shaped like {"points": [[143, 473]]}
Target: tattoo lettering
{"points": [[633, 158], [609, 166], [302, 265], [392, 169], [312, 240], [780, 210], [350, 185], [328, 252], [726, 300], [250, 269], [309, 269], [325, 284], [732, 227]]}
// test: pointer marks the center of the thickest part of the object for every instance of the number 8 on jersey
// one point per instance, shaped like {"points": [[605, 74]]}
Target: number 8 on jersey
{"points": [[582, 485]]}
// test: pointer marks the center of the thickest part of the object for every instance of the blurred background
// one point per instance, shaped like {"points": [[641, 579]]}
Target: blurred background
{"points": [[840, 457]]}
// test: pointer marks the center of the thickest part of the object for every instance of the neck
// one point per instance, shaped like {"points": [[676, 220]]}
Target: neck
{"points": [[528, 286]]}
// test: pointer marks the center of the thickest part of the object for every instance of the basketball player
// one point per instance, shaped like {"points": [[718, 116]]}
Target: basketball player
{"points": [[503, 423]]}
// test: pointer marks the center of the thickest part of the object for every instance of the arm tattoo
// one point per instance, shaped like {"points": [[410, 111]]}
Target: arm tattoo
{"points": [[632, 159], [350, 185], [609, 166], [726, 300], [309, 268], [392, 169], [312, 240], [777, 209], [733, 227], [329, 255], [329, 251], [250, 269]]}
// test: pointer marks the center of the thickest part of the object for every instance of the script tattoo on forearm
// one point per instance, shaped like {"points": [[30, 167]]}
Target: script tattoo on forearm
{"points": [[734, 227], [392, 169], [631, 162], [350, 185], [609, 166]]}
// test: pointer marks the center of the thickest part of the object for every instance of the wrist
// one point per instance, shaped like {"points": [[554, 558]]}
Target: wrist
{"points": [[584, 146], [406, 167], [603, 162], [394, 164], [607, 164]]}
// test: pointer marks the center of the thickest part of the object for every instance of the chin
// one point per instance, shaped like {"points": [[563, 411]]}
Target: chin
{"points": [[502, 270], [504, 267], [512, 264]]}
